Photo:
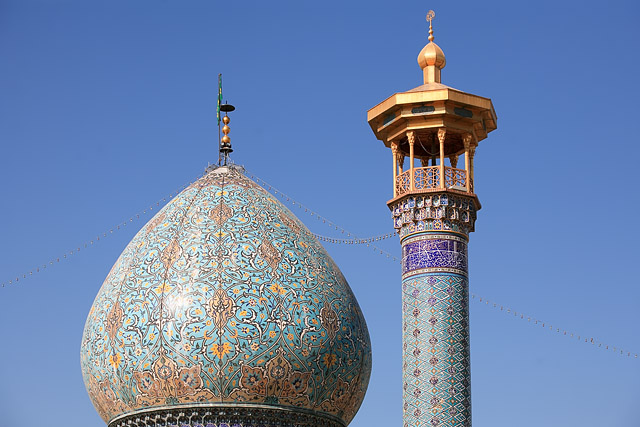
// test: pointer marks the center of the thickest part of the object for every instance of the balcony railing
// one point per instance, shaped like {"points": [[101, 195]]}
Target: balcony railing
{"points": [[428, 178], [455, 177]]}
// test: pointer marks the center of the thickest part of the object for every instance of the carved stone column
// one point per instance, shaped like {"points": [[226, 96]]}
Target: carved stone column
{"points": [[442, 133], [394, 153], [466, 139], [412, 139], [472, 153]]}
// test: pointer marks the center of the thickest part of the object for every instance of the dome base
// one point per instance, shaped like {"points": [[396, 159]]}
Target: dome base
{"points": [[225, 416]]}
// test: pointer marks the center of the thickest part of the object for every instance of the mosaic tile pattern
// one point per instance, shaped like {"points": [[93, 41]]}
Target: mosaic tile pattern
{"points": [[434, 212], [436, 365], [225, 299], [433, 232]]}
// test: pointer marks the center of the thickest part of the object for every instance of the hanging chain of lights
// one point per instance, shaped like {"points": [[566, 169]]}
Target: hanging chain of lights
{"points": [[475, 297], [90, 243], [546, 325], [353, 241], [157, 205], [367, 241]]}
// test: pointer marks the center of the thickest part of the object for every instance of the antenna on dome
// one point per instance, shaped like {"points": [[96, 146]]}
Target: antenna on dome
{"points": [[224, 143], [218, 114]]}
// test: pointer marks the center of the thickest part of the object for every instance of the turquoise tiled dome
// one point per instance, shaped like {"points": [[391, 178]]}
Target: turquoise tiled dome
{"points": [[225, 310]]}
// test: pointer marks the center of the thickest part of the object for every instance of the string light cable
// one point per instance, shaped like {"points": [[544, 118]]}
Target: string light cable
{"points": [[90, 243], [508, 311], [352, 240], [157, 205], [355, 239]]}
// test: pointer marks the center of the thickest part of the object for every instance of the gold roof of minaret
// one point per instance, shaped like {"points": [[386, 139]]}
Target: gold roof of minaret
{"points": [[432, 106]]}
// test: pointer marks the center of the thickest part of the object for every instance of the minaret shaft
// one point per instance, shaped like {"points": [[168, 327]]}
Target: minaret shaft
{"points": [[436, 366], [435, 308], [434, 210]]}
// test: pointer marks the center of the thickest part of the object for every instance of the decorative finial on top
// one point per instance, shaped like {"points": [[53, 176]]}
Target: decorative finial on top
{"points": [[430, 15], [225, 141], [431, 59]]}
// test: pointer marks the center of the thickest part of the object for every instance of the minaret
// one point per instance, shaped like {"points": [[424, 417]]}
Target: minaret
{"points": [[434, 209]]}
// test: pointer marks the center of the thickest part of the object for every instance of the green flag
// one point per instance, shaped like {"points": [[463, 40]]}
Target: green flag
{"points": [[219, 96]]}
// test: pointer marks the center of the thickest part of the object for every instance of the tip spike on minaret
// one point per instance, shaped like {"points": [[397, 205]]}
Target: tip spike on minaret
{"points": [[430, 15], [431, 59]]}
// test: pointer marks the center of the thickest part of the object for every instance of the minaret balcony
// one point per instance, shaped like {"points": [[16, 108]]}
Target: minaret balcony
{"points": [[427, 178]]}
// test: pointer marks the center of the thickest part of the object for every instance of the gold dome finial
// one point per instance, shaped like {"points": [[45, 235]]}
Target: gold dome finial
{"points": [[431, 59], [225, 142]]}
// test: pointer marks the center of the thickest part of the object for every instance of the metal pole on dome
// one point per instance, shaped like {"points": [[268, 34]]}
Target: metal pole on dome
{"points": [[218, 115], [225, 141]]}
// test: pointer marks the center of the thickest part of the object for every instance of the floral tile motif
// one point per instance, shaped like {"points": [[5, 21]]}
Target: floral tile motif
{"points": [[225, 298]]}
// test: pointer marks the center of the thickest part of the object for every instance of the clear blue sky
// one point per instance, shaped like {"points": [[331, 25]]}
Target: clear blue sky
{"points": [[106, 107]]}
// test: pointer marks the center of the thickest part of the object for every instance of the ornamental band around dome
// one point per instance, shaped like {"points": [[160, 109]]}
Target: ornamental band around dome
{"points": [[224, 310]]}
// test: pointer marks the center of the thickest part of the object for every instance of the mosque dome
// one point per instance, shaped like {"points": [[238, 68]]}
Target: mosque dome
{"points": [[224, 310]]}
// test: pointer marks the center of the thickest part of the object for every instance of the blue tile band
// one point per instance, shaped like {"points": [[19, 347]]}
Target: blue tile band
{"points": [[434, 252]]}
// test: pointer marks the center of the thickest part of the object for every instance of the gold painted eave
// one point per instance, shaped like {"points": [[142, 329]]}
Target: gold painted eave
{"points": [[391, 118], [417, 97]]}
